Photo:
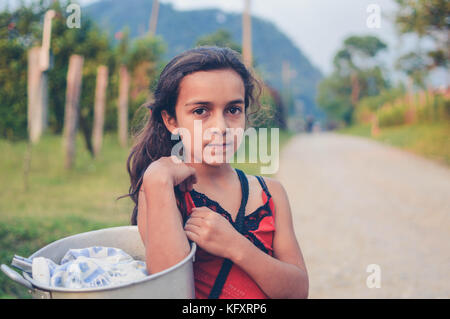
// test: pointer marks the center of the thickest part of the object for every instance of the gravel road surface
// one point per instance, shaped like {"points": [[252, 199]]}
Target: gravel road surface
{"points": [[357, 202]]}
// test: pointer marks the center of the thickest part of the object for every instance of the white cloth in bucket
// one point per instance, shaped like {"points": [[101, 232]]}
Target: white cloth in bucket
{"points": [[90, 267]]}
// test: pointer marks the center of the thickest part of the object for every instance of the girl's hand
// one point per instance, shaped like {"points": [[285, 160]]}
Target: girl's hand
{"points": [[173, 170], [212, 232]]}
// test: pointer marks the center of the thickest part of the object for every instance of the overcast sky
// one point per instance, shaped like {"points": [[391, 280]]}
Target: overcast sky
{"points": [[317, 27]]}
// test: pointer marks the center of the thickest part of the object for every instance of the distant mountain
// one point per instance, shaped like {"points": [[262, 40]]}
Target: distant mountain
{"points": [[181, 29]]}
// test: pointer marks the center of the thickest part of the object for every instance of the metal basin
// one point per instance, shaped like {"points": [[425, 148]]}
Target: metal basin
{"points": [[176, 282]]}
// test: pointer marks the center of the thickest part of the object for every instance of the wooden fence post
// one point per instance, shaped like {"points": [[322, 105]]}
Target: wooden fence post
{"points": [[37, 95], [73, 91], [38, 64], [124, 85], [99, 108]]}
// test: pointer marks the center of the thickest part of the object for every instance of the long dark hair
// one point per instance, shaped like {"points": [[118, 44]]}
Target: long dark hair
{"points": [[154, 141]]}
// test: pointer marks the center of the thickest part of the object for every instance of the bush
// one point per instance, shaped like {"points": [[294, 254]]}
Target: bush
{"points": [[391, 114], [432, 107], [422, 107]]}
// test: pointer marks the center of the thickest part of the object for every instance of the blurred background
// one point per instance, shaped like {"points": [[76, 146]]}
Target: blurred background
{"points": [[359, 90]]}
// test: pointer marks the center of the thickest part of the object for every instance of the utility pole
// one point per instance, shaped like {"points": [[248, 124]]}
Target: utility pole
{"points": [[154, 18], [287, 74], [247, 35]]}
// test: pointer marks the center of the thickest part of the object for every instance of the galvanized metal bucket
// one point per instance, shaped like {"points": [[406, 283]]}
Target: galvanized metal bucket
{"points": [[176, 282]]}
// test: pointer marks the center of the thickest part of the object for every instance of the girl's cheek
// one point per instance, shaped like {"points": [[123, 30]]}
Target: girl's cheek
{"points": [[193, 146]]}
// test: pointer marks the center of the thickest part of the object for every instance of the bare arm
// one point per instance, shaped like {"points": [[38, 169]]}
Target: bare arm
{"points": [[160, 222]]}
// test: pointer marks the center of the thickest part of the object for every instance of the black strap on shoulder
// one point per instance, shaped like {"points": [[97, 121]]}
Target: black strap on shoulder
{"points": [[263, 185], [238, 225]]}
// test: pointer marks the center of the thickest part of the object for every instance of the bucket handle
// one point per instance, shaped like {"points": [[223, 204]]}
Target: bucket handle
{"points": [[14, 275]]}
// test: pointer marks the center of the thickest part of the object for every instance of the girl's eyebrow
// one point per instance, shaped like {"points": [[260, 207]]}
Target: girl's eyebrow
{"points": [[237, 101]]}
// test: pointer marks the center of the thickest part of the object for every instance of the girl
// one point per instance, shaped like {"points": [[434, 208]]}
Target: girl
{"points": [[212, 87]]}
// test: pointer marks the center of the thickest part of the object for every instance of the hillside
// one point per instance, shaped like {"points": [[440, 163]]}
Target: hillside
{"points": [[181, 29]]}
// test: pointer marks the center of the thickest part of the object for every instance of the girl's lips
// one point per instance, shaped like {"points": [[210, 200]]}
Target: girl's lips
{"points": [[224, 144]]}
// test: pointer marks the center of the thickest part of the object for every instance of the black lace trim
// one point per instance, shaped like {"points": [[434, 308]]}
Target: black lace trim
{"points": [[251, 221]]}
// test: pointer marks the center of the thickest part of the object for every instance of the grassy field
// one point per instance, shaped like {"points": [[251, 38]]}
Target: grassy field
{"points": [[429, 140], [55, 203]]}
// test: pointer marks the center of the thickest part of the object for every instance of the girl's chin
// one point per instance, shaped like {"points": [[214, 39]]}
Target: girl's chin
{"points": [[217, 160], [214, 156]]}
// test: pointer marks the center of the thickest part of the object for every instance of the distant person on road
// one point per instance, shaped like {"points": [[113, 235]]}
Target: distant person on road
{"points": [[309, 124]]}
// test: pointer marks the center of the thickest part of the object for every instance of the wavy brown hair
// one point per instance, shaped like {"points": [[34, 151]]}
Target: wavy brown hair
{"points": [[154, 141]]}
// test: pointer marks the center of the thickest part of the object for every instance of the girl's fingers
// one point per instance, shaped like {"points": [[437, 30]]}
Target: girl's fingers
{"points": [[199, 212], [192, 232], [193, 220], [192, 236], [192, 228]]}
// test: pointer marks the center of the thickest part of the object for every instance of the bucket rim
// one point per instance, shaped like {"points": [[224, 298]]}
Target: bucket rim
{"points": [[43, 287]]}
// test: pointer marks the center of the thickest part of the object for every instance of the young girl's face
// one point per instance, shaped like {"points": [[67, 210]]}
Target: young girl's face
{"points": [[210, 111]]}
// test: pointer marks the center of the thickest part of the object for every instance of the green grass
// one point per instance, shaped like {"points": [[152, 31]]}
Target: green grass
{"points": [[59, 202], [429, 140]]}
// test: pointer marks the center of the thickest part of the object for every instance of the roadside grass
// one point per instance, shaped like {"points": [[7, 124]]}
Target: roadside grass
{"points": [[429, 140]]}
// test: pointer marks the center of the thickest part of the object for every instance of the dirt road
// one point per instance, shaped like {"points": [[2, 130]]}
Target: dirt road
{"points": [[357, 202]]}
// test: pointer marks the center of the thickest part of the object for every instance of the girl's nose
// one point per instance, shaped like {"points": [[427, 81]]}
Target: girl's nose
{"points": [[220, 125], [217, 131]]}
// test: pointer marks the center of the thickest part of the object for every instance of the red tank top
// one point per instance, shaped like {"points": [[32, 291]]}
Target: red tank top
{"points": [[259, 228]]}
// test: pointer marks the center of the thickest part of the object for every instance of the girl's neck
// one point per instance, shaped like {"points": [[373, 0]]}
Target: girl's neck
{"points": [[213, 176]]}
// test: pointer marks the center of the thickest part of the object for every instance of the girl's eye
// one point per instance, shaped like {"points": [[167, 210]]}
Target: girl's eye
{"points": [[199, 111], [235, 110]]}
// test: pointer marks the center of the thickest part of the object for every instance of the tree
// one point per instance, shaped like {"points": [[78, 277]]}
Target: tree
{"points": [[357, 57], [221, 38], [143, 59], [428, 19], [415, 66], [19, 31], [357, 73]]}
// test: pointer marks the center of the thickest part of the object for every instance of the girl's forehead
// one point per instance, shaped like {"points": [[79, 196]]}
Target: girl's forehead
{"points": [[211, 84]]}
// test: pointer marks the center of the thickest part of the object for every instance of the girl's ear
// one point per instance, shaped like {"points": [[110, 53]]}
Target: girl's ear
{"points": [[170, 122]]}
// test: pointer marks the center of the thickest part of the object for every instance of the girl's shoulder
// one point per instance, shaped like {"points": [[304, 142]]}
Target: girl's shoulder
{"points": [[273, 185], [277, 192]]}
